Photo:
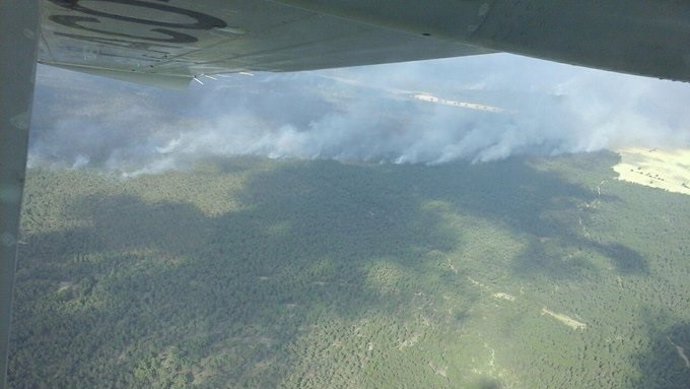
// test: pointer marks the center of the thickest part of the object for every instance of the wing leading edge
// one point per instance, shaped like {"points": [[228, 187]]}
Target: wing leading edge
{"points": [[178, 39]]}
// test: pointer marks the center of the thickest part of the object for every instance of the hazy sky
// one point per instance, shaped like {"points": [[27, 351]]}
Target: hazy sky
{"points": [[375, 113]]}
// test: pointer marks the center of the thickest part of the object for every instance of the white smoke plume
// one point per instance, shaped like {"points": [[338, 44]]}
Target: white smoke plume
{"points": [[475, 108]]}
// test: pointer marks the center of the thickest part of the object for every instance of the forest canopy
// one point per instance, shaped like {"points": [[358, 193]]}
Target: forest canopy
{"points": [[251, 272]]}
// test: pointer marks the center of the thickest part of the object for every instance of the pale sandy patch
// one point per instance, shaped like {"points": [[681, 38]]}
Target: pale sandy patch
{"points": [[504, 296], [681, 353], [567, 320], [409, 342], [439, 370], [64, 285], [656, 168]]}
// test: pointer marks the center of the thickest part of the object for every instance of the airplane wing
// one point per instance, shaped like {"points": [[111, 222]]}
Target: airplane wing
{"points": [[170, 41]]}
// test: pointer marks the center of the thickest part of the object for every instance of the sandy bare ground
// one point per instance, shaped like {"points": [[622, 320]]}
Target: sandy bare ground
{"points": [[681, 353], [664, 169], [567, 320], [504, 296]]}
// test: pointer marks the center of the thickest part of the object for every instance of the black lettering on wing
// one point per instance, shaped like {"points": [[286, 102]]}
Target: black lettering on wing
{"points": [[75, 22], [201, 21]]}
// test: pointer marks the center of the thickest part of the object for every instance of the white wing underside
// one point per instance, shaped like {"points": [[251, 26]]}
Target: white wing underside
{"points": [[161, 41], [164, 41]]}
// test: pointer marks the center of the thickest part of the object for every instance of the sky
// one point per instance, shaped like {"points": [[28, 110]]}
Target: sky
{"points": [[477, 109]]}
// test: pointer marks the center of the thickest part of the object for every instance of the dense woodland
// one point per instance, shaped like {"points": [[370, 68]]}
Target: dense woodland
{"points": [[255, 273]]}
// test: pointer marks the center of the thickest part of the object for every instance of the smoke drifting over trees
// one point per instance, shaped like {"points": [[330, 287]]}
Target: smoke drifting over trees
{"points": [[362, 114]]}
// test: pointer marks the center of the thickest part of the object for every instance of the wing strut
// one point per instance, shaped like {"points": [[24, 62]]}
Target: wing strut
{"points": [[18, 44]]}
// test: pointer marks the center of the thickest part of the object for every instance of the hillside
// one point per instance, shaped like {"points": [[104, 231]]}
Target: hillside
{"points": [[255, 273]]}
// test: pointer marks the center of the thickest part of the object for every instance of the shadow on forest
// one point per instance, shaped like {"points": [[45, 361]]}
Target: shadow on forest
{"points": [[536, 206], [663, 363], [261, 270], [489, 383]]}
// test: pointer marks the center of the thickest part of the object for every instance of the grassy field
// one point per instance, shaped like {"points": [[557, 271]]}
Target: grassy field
{"points": [[253, 273]]}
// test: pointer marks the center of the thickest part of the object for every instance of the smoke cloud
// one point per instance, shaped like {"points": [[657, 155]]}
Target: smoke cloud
{"points": [[475, 108]]}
